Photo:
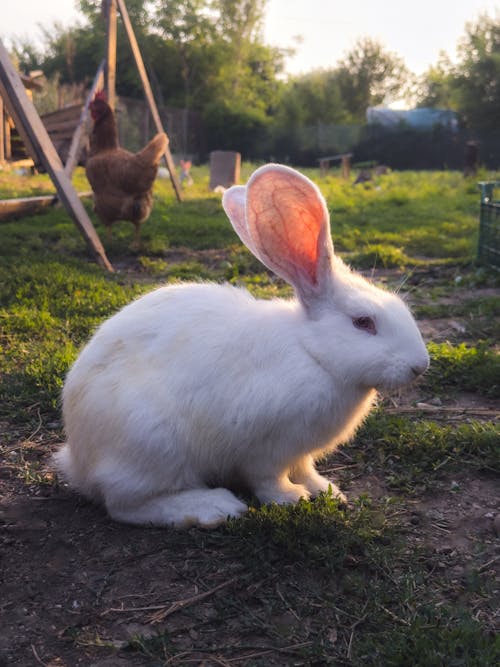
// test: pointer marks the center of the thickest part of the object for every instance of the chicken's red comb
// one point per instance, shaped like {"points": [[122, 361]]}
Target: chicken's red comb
{"points": [[100, 95]]}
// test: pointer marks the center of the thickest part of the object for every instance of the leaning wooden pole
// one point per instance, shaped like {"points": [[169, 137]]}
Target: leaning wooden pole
{"points": [[83, 128], [2, 133], [110, 70], [149, 93], [34, 135]]}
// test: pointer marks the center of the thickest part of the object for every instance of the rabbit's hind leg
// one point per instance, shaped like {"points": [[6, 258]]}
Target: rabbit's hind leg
{"points": [[196, 507]]}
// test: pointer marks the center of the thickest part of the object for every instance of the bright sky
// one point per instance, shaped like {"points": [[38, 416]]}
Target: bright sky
{"points": [[417, 31]]}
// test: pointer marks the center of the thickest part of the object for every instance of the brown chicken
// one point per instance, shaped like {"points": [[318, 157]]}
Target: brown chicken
{"points": [[121, 181]]}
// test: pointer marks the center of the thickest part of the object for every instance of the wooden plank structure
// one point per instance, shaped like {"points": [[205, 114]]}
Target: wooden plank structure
{"points": [[2, 132], [345, 161], [10, 209], [109, 8], [60, 126], [39, 145], [11, 147], [83, 128], [146, 86], [107, 73]]}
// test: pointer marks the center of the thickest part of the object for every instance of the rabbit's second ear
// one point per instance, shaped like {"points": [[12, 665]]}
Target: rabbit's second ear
{"points": [[233, 202], [288, 223]]}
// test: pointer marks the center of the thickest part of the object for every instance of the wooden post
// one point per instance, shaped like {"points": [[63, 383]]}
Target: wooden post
{"points": [[110, 75], [323, 167], [34, 135], [2, 132], [6, 130], [82, 130], [149, 93], [346, 165]]}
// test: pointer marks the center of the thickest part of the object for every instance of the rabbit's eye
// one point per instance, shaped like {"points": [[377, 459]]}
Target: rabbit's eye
{"points": [[365, 324]]}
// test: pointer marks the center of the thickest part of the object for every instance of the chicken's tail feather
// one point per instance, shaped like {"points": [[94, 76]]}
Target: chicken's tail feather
{"points": [[152, 152]]}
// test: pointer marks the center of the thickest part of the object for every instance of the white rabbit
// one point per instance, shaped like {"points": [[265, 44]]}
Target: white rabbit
{"points": [[193, 389]]}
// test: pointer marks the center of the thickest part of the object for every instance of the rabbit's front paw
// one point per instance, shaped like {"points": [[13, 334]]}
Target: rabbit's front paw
{"points": [[313, 482], [282, 492], [318, 484], [305, 473], [337, 493]]}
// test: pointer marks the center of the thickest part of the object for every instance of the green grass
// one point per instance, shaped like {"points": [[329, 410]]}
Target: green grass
{"points": [[478, 307], [317, 582], [399, 217], [48, 309], [422, 214], [412, 454], [464, 368]]}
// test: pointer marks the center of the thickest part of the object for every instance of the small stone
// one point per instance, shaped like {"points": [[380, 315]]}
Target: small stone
{"points": [[445, 551], [496, 524], [139, 630], [435, 401], [458, 327], [332, 635]]}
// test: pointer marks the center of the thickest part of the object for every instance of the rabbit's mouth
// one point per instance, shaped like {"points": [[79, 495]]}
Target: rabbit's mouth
{"points": [[398, 380]]}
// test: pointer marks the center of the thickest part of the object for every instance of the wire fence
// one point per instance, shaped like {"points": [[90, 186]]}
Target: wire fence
{"points": [[399, 147], [489, 226]]}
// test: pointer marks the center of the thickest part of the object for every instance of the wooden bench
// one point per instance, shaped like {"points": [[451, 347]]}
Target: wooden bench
{"points": [[345, 162]]}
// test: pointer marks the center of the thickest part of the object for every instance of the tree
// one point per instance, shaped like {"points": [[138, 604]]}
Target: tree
{"points": [[472, 85], [227, 72], [366, 76], [252, 64], [437, 88], [477, 81], [203, 55], [187, 29], [312, 98], [370, 75], [26, 56]]}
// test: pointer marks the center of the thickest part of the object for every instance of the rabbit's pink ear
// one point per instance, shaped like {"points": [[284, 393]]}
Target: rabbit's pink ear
{"points": [[288, 222], [233, 202]]}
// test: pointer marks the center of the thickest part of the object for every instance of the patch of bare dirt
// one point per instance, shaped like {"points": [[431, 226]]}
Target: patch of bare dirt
{"points": [[441, 329], [70, 577], [462, 515], [460, 295], [210, 258], [461, 406], [459, 527], [77, 587]]}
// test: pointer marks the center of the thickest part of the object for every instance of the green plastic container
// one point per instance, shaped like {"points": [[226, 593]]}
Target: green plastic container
{"points": [[488, 250]]}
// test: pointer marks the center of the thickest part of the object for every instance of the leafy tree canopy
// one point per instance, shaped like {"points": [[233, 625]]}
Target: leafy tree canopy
{"points": [[209, 56], [477, 81], [472, 85], [370, 75]]}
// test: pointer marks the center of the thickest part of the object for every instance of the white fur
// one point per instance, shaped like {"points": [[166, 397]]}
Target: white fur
{"points": [[196, 388]]}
